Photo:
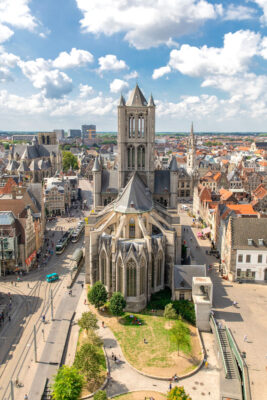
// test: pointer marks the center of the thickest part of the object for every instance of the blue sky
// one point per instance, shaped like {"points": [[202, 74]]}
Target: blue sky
{"points": [[64, 63]]}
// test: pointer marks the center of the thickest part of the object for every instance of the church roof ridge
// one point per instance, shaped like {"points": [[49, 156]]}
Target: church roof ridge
{"points": [[135, 197], [136, 98]]}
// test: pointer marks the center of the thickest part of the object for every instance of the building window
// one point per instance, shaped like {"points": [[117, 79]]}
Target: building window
{"points": [[259, 258], [131, 278], [159, 270], [248, 258], [181, 296], [103, 262], [131, 126], [132, 228], [238, 272], [142, 276], [248, 273], [120, 276], [131, 157], [240, 258], [141, 126], [182, 184]]}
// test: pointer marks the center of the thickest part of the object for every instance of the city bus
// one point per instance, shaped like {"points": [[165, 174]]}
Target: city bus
{"points": [[64, 241], [52, 277], [77, 233]]}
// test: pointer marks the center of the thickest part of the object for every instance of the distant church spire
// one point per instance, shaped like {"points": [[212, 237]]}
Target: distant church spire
{"points": [[191, 152], [192, 129]]}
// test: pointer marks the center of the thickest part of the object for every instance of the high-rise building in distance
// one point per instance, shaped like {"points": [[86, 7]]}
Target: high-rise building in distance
{"points": [[74, 133], [60, 133], [89, 131]]}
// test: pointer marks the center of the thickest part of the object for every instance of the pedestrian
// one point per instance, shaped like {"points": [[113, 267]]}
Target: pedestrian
{"points": [[245, 338], [103, 324], [12, 283], [26, 397], [115, 358], [82, 285], [43, 318], [28, 285], [70, 292], [112, 356], [9, 318], [84, 301], [170, 386]]}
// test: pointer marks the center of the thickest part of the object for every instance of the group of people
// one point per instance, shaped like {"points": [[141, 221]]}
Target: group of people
{"points": [[115, 358]]}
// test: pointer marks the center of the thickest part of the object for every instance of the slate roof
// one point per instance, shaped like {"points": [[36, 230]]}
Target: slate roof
{"points": [[109, 182], [135, 197], [30, 152], [136, 98], [249, 228], [183, 275], [12, 166], [161, 181]]}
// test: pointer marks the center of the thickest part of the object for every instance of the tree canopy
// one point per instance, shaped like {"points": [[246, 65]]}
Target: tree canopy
{"points": [[178, 393], [88, 360], [180, 334], [67, 384], [88, 321], [169, 312], [98, 294], [117, 304], [100, 395], [69, 160]]}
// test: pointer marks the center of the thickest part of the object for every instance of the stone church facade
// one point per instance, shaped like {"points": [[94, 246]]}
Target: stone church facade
{"points": [[133, 239]]}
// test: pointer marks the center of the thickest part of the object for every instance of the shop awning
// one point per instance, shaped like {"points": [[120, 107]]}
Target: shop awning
{"points": [[206, 230]]}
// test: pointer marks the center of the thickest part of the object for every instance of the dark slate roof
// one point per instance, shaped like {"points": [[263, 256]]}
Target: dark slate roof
{"points": [[34, 165], [136, 98], [23, 167], [173, 164], [135, 197], [183, 275], [109, 181], [12, 166], [161, 181], [249, 228], [29, 152]]}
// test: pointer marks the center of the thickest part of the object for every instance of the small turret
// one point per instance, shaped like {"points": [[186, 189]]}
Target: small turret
{"points": [[151, 102], [122, 101], [96, 166], [97, 182]]}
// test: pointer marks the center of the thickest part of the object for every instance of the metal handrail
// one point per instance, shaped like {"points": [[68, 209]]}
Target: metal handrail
{"points": [[219, 342]]}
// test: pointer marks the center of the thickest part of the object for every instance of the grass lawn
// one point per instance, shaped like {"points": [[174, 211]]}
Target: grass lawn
{"points": [[158, 354], [90, 387], [141, 395]]}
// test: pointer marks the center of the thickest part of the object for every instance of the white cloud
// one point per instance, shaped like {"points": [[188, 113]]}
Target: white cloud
{"points": [[85, 90], [159, 72], [239, 13], [117, 85], [53, 82], [111, 63], [76, 58], [146, 24], [5, 33], [131, 75], [17, 13], [262, 4], [233, 57]]}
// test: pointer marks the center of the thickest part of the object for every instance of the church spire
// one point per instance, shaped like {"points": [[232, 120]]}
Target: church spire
{"points": [[122, 101], [192, 129]]}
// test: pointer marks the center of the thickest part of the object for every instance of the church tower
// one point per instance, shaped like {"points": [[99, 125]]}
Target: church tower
{"points": [[191, 152], [136, 136]]}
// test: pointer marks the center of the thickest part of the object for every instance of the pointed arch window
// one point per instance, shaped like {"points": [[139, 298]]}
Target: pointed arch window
{"points": [[131, 278], [131, 126], [103, 266], [131, 157], [142, 276], [120, 276], [132, 228], [159, 270], [141, 157], [141, 126]]}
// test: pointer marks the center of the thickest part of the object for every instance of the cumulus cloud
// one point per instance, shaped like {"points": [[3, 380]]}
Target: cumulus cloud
{"points": [[85, 90], [146, 24], [76, 58], [53, 82], [117, 85], [111, 63], [233, 57], [159, 72], [262, 4], [5, 33], [17, 13], [239, 13], [131, 75]]}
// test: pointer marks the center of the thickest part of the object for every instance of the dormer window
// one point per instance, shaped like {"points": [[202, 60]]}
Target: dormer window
{"points": [[250, 242], [261, 242]]}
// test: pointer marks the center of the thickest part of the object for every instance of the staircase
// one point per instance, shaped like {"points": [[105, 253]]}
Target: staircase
{"points": [[227, 355], [47, 394]]}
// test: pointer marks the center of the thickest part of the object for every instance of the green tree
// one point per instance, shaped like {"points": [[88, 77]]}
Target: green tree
{"points": [[88, 321], [98, 294], [178, 393], [69, 160], [6, 146], [88, 360], [117, 304], [100, 395], [169, 312], [67, 384], [180, 334]]}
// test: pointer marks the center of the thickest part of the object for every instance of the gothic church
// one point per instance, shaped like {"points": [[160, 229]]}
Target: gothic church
{"points": [[133, 235]]}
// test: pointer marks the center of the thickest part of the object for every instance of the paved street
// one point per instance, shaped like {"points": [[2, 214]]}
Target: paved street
{"points": [[247, 318], [30, 301]]}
